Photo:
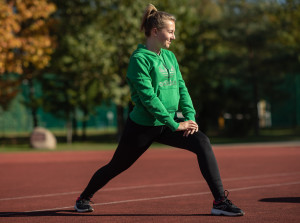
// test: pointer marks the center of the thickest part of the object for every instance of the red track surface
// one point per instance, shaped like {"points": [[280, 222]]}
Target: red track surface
{"points": [[164, 185]]}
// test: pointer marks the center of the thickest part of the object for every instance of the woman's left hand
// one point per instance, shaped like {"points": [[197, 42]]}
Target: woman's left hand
{"points": [[190, 132]]}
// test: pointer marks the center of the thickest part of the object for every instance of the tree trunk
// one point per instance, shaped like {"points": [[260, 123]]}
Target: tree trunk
{"points": [[74, 126], [255, 98], [34, 117], [255, 109], [120, 120], [84, 124], [297, 100], [69, 131], [32, 102]]}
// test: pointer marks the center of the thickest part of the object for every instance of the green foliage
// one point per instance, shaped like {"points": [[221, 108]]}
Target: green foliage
{"points": [[95, 41], [231, 53]]}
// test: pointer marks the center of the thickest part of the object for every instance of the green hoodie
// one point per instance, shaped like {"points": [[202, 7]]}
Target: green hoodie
{"points": [[157, 89]]}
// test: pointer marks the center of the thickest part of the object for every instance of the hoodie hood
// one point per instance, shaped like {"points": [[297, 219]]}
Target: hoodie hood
{"points": [[143, 50], [164, 55]]}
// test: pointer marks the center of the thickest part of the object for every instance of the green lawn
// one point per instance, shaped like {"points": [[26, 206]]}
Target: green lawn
{"points": [[106, 140]]}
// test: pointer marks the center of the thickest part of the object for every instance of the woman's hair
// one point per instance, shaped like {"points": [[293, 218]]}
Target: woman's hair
{"points": [[154, 19]]}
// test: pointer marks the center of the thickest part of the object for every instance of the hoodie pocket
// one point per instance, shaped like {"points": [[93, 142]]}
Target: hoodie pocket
{"points": [[169, 97]]}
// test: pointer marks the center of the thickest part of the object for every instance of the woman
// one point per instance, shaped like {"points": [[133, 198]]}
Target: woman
{"points": [[158, 90]]}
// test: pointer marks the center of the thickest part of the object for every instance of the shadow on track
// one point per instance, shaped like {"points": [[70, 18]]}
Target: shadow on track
{"points": [[73, 213], [281, 199]]}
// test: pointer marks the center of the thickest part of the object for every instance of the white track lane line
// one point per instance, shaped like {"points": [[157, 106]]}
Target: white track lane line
{"points": [[151, 185], [156, 198]]}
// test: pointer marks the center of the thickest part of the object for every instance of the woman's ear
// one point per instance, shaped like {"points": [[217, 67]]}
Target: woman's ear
{"points": [[154, 32]]}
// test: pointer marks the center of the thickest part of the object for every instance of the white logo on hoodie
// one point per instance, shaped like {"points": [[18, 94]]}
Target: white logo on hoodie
{"points": [[171, 81]]}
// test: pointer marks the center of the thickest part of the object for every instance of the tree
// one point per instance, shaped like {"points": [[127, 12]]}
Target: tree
{"points": [[121, 21], [288, 21], [254, 56], [80, 74], [95, 40], [227, 51], [232, 54], [25, 44], [233, 59]]}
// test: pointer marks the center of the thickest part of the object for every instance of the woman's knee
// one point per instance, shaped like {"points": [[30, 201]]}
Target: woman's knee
{"points": [[200, 143], [201, 138]]}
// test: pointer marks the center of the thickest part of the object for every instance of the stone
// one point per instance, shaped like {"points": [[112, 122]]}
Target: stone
{"points": [[42, 138]]}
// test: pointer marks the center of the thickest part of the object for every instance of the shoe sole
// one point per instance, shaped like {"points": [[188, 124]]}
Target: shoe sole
{"points": [[83, 210], [226, 213]]}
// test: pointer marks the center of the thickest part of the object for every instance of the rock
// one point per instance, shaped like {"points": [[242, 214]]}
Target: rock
{"points": [[42, 138]]}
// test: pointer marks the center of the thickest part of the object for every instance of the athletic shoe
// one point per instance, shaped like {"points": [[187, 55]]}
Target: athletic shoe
{"points": [[226, 207], [83, 205]]}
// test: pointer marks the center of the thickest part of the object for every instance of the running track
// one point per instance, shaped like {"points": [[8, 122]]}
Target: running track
{"points": [[164, 185]]}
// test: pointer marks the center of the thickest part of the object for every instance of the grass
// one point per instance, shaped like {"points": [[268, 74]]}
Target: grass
{"points": [[77, 146], [106, 140]]}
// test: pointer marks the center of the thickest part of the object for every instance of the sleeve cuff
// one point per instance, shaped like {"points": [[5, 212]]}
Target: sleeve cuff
{"points": [[173, 125]]}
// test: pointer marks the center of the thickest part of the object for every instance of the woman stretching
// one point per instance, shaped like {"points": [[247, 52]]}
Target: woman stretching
{"points": [[158, 91]]}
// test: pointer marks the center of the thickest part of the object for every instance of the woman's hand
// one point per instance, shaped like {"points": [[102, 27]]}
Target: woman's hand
{"points": [[189, 127]]}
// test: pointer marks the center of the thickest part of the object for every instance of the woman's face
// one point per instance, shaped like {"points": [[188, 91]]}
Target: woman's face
{"points": [[166, 34]]}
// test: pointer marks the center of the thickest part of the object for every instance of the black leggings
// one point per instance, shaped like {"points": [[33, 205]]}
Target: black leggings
{"points": [[136, 139]]}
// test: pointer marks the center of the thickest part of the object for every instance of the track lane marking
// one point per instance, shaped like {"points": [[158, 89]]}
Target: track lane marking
{"points": [[154, 198], [151, 185]]}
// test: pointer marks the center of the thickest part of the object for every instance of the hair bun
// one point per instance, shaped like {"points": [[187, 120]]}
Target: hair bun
{"points": [[149, 11], [154, 10]]}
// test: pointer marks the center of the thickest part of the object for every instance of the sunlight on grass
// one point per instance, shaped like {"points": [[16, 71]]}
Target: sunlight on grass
{"points": [[106, 140]]}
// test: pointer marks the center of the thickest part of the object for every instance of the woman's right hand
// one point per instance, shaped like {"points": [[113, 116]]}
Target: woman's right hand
{"points": [[189, 127]]}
